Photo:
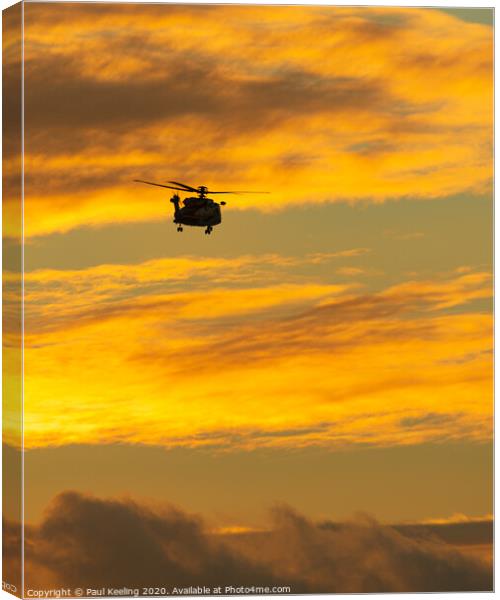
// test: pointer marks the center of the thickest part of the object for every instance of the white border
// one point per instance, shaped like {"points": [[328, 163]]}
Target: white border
{"points": [[415, 3]]}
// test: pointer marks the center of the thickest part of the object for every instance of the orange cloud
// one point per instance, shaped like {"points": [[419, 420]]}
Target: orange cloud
{"points": [[332, 114], [113, 357]]}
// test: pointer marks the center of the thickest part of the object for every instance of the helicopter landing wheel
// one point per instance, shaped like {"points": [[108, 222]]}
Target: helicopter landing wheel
{"points": [[180, 228]]}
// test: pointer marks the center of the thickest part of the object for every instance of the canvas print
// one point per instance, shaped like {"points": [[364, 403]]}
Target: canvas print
{"points": [[247, 299]]}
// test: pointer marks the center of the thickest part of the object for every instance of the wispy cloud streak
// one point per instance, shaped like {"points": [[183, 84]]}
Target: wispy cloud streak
{"points": [[249, 364], [331, 114]]}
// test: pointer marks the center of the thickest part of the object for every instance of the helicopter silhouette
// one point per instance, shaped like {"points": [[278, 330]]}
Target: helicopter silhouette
{"points": [[197, 211]]}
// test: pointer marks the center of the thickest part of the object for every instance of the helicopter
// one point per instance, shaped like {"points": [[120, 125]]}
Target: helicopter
{"points": [[197, 211]]}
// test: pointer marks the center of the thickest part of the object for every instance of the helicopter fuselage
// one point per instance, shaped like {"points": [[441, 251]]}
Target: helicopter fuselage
{"points": [[196, 212]]}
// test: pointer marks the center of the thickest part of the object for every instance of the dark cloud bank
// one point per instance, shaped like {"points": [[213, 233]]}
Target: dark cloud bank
{"points": [[85, 541]]}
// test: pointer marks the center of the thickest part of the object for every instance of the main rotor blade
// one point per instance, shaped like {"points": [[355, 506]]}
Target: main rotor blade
{"points": [[238, 192], [186, 187], [160, 185]]}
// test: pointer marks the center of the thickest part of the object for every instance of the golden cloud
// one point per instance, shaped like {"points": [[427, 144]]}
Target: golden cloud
{"points": [[333, 113], [113, 354]]}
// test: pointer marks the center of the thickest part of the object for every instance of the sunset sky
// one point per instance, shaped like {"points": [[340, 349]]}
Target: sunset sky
{"points": [[330, 344]]}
